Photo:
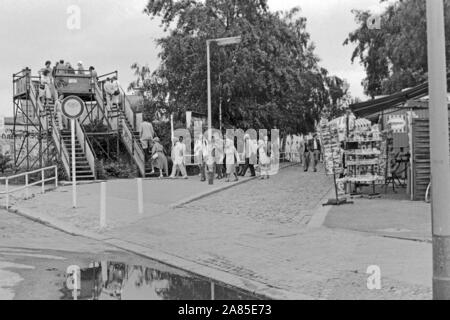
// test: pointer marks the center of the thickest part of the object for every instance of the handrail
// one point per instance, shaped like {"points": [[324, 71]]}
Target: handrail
{"points": [[108, 74], [85, 146], [129, 113], [134, 148], [61, 147], [25, 173], [27, 184]]}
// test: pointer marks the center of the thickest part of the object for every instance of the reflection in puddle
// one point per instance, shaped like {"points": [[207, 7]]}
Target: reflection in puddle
{"points": [[118, 281]]}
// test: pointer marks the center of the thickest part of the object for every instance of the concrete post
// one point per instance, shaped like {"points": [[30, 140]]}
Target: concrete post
{"points": [[440, 155]]}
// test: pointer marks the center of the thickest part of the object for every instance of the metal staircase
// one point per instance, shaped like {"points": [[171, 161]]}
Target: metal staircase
{"points": [[128, 134], [83, 169], [85, 159]]}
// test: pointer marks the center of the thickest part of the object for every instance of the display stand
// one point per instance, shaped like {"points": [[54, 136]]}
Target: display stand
{"points": [[333, 152], [366, 161]]}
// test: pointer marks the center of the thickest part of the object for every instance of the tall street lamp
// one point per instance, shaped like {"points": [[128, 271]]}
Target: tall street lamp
{"points": [[221, 42], [440, 164]]}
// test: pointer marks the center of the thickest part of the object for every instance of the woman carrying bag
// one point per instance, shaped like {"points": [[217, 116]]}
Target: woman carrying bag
{"points": [[159, 159]]}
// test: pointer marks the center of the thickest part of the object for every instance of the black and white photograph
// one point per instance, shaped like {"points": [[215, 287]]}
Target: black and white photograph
{"points": [[225, 155]]}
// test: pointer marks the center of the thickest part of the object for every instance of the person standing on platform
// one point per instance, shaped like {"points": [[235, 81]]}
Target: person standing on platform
{"points": [[80, 68], [45, 93], [48, 67], [116, 94], [69, 68], [61, 68], [179, 153], [109, 92], [58, 112], [94, 74]]}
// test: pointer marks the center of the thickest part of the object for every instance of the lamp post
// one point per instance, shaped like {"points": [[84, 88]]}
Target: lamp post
{"points": [[221, 42], [439, 143]]}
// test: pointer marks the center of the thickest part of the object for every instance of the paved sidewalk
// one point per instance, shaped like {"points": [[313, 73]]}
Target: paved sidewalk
{"points": [[121, 202], [384, 217], [253, 236]]}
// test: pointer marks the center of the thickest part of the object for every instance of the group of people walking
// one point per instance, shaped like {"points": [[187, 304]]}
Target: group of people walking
{"points": [[218, 157], [222, 158]]}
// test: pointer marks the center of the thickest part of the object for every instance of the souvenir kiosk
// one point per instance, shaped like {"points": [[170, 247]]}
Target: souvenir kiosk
{"points": [[356, 153]]}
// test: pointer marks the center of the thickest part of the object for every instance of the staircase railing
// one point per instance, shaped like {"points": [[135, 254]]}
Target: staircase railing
{"points": [[127, 120], [126, 116], [132, 145], [61, 148], [127, 109], [85, 146]]}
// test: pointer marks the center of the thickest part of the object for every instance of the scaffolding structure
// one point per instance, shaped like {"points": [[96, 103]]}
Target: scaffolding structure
{"points": [[111, 134]]}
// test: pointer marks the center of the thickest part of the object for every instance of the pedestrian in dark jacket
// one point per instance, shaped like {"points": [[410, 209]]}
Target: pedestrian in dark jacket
{"points": [[314, 149]]}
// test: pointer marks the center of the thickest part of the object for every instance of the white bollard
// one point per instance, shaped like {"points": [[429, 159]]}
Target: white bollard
{"points": [[27, 190], [43, 181], [140, 197], [7, 194], [103, 205]]}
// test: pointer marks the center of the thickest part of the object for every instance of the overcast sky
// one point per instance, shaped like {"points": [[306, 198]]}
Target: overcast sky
{"points": [[115, 33]]}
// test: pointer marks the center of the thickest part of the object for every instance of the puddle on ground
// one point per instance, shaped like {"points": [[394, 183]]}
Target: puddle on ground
{"points": [[118, 281]]}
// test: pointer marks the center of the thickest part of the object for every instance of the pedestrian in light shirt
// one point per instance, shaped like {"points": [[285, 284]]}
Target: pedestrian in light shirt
{"points": [[201, 154], [264, 160], [58, 112], [231, 158], [146, 133], [178, 154]]}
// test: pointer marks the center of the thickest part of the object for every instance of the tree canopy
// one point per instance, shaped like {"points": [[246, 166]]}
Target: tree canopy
{"points": [[272, 79], [394, 57]]}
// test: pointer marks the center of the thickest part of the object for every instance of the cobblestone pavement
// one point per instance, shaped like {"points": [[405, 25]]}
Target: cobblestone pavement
{"points": [[286, 198], [256, 232]]}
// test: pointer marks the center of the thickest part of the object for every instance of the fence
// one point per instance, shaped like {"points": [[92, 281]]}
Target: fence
{"points": [[42, 181]]}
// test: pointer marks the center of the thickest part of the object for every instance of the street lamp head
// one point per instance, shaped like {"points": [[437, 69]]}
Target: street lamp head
{"points": [[227, 41]]}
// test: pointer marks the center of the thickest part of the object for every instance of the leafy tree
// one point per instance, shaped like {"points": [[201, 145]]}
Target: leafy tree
{"points": [[395, 57], [271, 80]]}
